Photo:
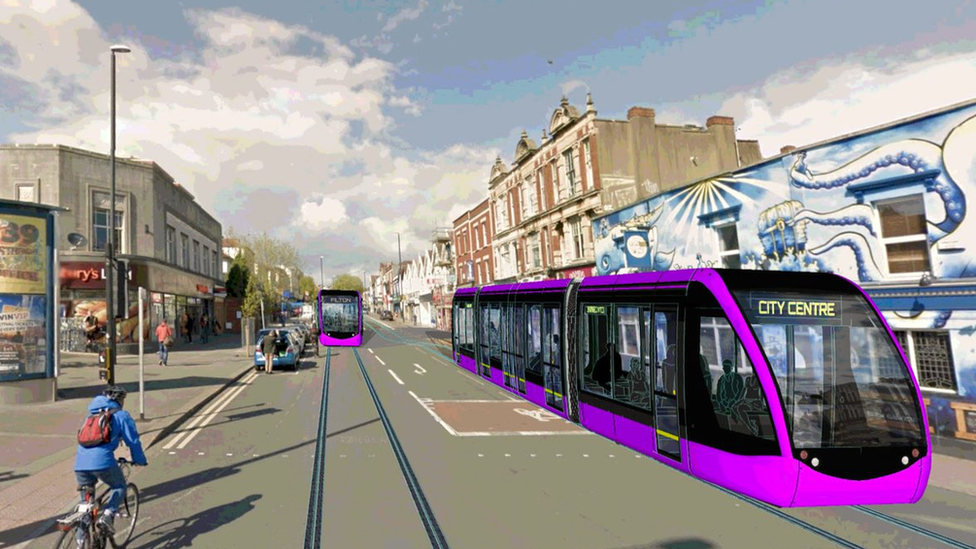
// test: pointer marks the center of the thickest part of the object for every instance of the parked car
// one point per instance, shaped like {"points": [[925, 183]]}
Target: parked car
{"points": [[386, 315], [287, 351]]}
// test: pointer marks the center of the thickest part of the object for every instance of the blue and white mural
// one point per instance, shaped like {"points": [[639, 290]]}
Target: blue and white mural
{"points": [[887, 209]]}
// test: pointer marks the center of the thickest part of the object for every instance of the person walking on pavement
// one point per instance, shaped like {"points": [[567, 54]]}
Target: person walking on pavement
{"points": [[268, 347], [205, 328], [96, 463], [164, 335], [91, 328], [187, 327]]}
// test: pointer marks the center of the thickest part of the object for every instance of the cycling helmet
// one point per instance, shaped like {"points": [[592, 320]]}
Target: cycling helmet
{"points": [[116, 393]]}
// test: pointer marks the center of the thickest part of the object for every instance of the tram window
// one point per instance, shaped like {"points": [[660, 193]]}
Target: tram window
{"points": [[550, 333], [485, 332], [495, 333], [535, 339], [456, 327], [519, 331], [505, 328], [631, 385], [469, 329], [598, 355], [665, 341], [734, 415]]}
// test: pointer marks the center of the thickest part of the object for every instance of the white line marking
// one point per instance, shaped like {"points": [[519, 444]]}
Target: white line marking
{"points": [[423, 371], [395, 377], [434, 414], [200, 453], [559, 455], [381, 360], [466, 401], [481, 455], [342, 455], [213, 414], [254, 455], [206, 412], [586, 455], [172, 453], [383, 323], [469, 375], [227, 454], [370, 351], [519, 433], [611, 455], [531, 455], [508, 455]]}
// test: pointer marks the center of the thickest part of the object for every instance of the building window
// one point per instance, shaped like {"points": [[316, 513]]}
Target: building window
{"points": [[25, 193], [226, 267], [541, 181], [529, 202], [558, 189], [170, 245], [501, 214], [185, 242], [575, 239], [510, 199], [931, 358], [570, 172], [196, 256], [535, 256], [728, 245], [904, 235], [100, 229], [589, 163], [214, 262]]}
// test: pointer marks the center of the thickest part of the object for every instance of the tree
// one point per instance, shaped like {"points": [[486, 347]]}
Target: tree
{"points": [[252, 298], [307, 286], [270, 253], [238, 276], [347, 282]]}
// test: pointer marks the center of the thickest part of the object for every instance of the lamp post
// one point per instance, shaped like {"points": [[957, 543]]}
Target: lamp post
{"points": [[398, 285], [110, 249], [322, 271]]}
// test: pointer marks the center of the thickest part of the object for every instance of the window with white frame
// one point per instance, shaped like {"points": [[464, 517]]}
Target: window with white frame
{"points": [[501, 213], [541, 180], [535, 257], [171, 245], [589, 162], [529, 200], [930, 355], [214, 263], [571, 182], [100, 218], [558, 186], [185, 241], [206, 260], [510, 199], [575, 238], [728, 246], [196, 256], [903, 234], [25, 193]]}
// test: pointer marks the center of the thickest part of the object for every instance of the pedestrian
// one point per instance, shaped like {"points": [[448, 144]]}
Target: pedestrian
{"points": [[188, 327], [205, 328], [91, 328], [268, 347], [164, 335]]}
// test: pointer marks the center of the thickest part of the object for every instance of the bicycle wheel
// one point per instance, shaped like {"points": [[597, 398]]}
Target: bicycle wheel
{"points": [[125, 520], [68, 540]]}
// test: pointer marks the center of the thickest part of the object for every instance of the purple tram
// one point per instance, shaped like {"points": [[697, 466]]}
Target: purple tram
{"points": [[787, 387], [340, 318]]}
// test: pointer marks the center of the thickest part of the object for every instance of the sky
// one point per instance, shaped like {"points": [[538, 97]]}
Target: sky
{"points": [[336, 125]]}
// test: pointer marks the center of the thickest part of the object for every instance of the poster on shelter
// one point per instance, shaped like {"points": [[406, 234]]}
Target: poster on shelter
{"points": [[23, 334], [23, 254]]}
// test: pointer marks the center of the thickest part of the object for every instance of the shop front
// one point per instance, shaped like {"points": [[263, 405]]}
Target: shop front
{"points": [[179, 297]]}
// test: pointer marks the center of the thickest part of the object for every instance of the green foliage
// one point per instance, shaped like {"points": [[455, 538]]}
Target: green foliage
{"points": [[307, 286], [347, 282], [253, 295], [238, 277]]}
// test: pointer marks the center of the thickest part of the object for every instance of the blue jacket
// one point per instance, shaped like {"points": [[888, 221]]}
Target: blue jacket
{"points": [[123, 427]]}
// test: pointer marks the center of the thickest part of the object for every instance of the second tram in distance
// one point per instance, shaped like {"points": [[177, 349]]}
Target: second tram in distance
{"points": [[340, 316], [786, 387]]}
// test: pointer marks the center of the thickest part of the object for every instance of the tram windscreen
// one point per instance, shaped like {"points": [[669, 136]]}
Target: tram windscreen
{"points": [[841, 379], [340, 314]]}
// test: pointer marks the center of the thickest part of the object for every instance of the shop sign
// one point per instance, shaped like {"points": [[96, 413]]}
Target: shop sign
{"points": [[87, 274], [203, 289], [23, 334], [581, 272], [23, 257]]}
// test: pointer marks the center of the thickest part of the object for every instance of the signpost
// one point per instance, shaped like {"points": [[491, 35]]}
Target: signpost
{"points": [[142, 364]]}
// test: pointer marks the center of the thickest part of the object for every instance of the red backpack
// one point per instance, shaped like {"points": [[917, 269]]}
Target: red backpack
{"points": [[97, 429]]}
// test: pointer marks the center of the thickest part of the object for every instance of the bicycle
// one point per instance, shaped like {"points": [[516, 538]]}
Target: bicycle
{"points": [[80, 530]]}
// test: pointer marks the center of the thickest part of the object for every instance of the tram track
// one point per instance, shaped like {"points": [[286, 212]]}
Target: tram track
{"points": [[434, 534], [313, 522], [913, 527]]}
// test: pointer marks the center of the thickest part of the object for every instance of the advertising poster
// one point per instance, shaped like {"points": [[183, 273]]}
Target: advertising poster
{"points": [[23, 334], [23, 254]]}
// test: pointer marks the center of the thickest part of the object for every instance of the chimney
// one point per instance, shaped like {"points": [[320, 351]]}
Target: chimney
{"points": [[787, 149], [719, 120], [589, 103], [640, 111]]}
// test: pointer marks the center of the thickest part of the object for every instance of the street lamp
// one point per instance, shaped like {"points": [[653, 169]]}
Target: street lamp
{"points": [[322, 271], [110, 251], [398, 285]]}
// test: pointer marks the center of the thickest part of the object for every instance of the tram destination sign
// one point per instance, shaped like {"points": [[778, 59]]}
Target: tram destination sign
{"points": [[772, 307], [338, 299]]}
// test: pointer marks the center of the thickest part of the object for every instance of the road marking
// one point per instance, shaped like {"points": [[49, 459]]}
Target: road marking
{"points": [[508, 455], [342, 455], [370, 351], [383, 323], [209, 408], [213, 414], [519, 433], [422, 372], [395, 377], [201, 453], [481, 455], [434, 414], [381, 360], [172, 453], [469, 375], [539, 415], [230, 454], [255, 455], [559, 455], [531, 455], [586, 455], [510, 397], [611, 455]]}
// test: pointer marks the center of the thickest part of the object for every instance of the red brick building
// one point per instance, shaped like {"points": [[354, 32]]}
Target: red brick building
{"points": [[472, 236]]}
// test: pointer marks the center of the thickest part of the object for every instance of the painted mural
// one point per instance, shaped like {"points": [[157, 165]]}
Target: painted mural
{"points": [[883, 207]]}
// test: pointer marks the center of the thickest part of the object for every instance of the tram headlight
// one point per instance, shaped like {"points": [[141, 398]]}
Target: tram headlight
{"points": [[815, 462], [904, 460]]}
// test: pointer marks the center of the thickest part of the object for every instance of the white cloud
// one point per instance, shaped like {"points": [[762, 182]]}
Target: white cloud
{"points": [[845, 96], [571, 85], [327, 214], [406, 14], [254, 130]]}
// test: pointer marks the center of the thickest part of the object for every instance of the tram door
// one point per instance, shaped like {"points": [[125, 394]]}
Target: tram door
{"points": [[662, 321], [519, 339], [508, 346]]}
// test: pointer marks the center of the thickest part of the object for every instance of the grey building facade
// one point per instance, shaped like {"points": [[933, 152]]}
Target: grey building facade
{"points": [[171, 245]]}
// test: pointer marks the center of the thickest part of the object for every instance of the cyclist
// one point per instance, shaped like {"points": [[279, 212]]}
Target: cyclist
{"points": [[98, 462]]}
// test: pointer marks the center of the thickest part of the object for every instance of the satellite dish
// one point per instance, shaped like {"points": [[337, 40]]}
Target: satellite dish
{"points": [[76, 239]]}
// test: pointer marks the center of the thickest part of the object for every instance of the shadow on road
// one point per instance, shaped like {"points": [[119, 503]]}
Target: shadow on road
{"points": [[685, 543], [10, 475], [182, 532], [354, 427], [91, 391]]}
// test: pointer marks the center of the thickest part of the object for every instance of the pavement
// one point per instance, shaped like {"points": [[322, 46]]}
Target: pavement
{"points": [[37, 441]]}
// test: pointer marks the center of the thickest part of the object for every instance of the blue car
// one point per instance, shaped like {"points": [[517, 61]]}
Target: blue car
{"points": [[287, 352]]}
